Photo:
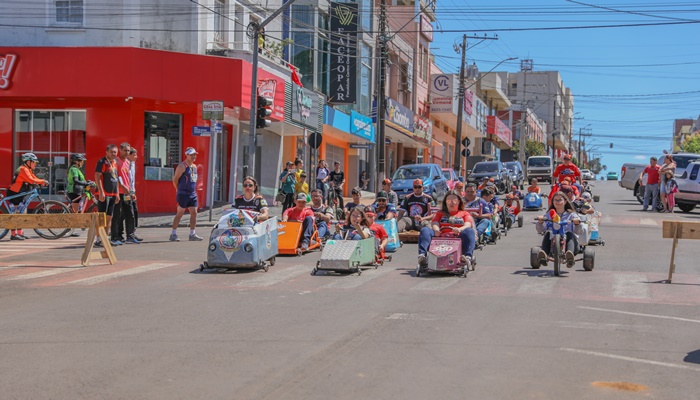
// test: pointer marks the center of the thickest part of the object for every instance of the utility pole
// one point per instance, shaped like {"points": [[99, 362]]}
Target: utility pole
{"points": [[460, 109], [254, 31], [525, 66], [381, 101], [580, 145]]}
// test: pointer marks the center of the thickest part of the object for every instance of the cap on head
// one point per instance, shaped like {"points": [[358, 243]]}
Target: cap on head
{"points": [[301, 197], [382, 195], [387, 181], [509, 196], [190, 150], [567, 157], [586, 196], [418, 182]]}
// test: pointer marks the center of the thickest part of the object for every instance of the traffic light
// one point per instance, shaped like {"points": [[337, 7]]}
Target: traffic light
{"points": [[264, 111]]}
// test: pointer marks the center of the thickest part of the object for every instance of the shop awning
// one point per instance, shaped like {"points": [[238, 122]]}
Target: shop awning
{"points": [[499, 133]]}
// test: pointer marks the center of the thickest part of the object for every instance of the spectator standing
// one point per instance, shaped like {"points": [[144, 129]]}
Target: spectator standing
{"points": [[322, 176], [185, 182], [651, 190], [133, 155], [364, 180], [287, 180], [337, 178], [107, 180], [302, 186], [671, 190], [393, 197], [668, 166], [299, 165], [123, 212]]}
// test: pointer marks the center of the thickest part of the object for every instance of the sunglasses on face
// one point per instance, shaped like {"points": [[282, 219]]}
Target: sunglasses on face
{"points": [[248, 185], [418, 187], [381, 200]]}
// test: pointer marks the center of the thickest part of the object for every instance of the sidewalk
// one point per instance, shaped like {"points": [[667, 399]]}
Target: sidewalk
{"points": [[162, 220]]}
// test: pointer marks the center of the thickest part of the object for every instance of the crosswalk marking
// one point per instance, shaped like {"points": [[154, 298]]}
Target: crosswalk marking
{"points": [[631, 286], [119, 274], [343, 282], [275, 276], [537, 286], [39, 274], [437, 283]]}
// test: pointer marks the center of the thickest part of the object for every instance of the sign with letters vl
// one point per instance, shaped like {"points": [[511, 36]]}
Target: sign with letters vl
{"points": [[343, 50]]}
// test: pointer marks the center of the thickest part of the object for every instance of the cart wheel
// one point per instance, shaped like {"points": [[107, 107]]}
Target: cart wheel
{"points": [[588, 259], [299, 252], [201, 267], [417, 271], [520, 221], [313, 271], [359, 271], [534, 258], [388, 258], [266, 267], [272, 261], [596, 198]]}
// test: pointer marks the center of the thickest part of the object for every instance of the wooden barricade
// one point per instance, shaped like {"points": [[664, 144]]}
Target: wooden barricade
{"points": [[94, 222], [679, 230]]}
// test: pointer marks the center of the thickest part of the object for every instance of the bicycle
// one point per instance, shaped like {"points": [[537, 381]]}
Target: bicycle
{"points": [[82, 201], [44, 207], [336, 202]]}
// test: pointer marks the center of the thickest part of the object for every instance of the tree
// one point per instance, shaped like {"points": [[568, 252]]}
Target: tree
{"points": [[691, 143], [594, 166], [532, 148]]}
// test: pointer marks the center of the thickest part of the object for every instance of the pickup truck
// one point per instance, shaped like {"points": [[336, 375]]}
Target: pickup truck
{"points": [[688, 195], [630, 174]]}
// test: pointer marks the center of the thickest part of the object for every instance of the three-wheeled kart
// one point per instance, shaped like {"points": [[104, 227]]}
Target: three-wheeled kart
{"points": [[289, 238], [532, 202], [558, 248], [347, 256], [392, 229], [444, 256], [238, 241]]}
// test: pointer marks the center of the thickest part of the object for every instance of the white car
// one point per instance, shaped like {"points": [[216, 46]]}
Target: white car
{"points": [[587, 175]]}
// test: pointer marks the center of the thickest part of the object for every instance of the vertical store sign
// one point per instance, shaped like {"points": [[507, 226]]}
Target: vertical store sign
{"points": [[343, 53]]}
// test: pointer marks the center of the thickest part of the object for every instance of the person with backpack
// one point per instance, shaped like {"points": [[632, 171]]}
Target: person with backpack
{"points": [[22, 181]]}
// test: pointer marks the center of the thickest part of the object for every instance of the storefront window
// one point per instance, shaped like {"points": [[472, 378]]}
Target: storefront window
{"points": [[53, 136], [163, 133]]}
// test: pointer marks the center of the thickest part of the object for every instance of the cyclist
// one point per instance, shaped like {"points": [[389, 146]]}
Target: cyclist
{"points": [[24, 178], [76, 180], [252, 200]]}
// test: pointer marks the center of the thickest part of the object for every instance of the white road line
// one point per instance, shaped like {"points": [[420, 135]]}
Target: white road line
{"points": [[632, 359], [114, 275], [275, 276], [631, 286], [641, 314], [40, 274], [11, 250], [345, 282], [437, 283], [600, 326], [412, 317], [538, 286]]}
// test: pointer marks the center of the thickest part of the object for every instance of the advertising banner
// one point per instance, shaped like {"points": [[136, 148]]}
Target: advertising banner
{"points": [[497, 128], [443, 88], [361, 126], [399, 116], [305, 106], [343, 50]]}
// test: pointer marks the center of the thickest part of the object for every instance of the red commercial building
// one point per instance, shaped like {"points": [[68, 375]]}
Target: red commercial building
{"points": [[55, 101]]}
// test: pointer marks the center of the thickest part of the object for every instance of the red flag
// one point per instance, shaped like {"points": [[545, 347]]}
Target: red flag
{"points": [[295, 76]]}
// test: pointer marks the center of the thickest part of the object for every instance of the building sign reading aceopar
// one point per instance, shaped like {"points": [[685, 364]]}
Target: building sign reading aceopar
{"points": [[343, 50]]}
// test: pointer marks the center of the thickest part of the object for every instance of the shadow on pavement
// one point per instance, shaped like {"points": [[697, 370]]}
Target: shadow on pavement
{"points": [[540, 273], [693, 357]]}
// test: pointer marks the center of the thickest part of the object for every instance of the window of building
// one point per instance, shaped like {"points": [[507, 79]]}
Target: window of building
{"points": [[220, 23], [68, 12], [162, 136], [333, 154], [365, 106], [425, 62], [53, 136], [366, 15], [303, 47]]}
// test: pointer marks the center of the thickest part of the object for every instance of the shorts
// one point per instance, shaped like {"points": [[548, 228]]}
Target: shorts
{"points": [[662, 187], [73, 197], [107, 206], [17, 199], [186, 200]]}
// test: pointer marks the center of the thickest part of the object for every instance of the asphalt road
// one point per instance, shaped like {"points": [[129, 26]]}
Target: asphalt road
{"points": [[153, 327]]}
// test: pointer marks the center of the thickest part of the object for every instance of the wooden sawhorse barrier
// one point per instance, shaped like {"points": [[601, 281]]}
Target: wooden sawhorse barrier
{"points": [[679, 230], [94, 222]]}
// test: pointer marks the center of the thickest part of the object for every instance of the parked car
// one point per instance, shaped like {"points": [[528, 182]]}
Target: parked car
{"points": [[491, 169], [688, 195], [631, 173], [587, 175], [517, 176], [434, 183], [540, 167], [451, 177], [612, 176]]}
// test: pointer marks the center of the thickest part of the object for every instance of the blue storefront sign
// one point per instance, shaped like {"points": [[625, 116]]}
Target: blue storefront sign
{"points": [[362, 126], [398, 115]]}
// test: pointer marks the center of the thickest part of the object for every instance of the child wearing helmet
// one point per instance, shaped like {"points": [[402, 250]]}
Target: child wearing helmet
{"points": [[76, 180], [24, 178]]}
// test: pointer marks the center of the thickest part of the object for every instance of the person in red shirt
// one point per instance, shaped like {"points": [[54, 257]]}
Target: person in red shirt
{"points": [[451, 220], [302, 214], [379, 233], [652, 187], [22, 183], [566, 182], [123, 211], [568, 169]]}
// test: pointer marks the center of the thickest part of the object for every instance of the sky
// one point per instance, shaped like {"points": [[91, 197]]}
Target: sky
{"points": [[629, 83]]}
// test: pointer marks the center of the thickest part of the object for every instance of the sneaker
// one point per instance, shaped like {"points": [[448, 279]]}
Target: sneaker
{"points": [[304, 246], [644, 209], [16, 237], [75, 234], [195, 238], [465, 259], [542, 256], [98, 243], [174, 238], [116, 242], [569, 256], [422, 260], [137, 237], [25, 237], [132, 240]]}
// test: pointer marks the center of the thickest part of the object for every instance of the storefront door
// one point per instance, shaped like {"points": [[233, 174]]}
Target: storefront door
{"points": [[53, 136]]}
